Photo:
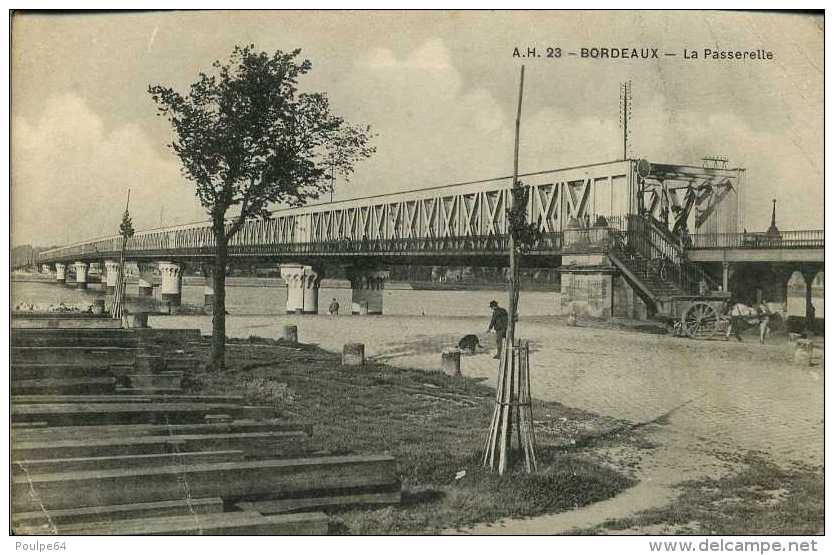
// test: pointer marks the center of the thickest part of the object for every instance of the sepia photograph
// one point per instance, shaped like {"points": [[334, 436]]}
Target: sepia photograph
{"points": [[401, 273]]}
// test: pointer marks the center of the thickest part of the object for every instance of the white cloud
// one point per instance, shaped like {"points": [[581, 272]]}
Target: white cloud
{"points": [[70, 176]]}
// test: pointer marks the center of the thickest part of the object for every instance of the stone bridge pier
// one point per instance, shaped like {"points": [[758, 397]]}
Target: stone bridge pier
{"points": [[81, 274], [61, 273], [368, 289], [302, 288], [208, 291], [171, 286], [146, 279], [111, 276]]}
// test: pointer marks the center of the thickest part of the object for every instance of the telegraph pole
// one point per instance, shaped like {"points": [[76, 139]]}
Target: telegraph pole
{"points": [[625, 113]]}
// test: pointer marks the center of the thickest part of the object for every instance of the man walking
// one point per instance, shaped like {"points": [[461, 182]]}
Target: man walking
{"points": [[333, 309], [499, 322]]}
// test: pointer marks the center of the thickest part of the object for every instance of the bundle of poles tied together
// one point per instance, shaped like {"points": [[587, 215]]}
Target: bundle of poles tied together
{"points": [[513, 413]]}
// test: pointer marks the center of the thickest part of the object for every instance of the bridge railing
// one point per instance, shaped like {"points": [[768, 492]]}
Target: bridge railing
{"points": [[809, 239], [492, 244]]}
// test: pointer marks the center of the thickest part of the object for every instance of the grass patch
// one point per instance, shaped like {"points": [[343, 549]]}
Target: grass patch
{"points": [[761, 499], [433, 424]]}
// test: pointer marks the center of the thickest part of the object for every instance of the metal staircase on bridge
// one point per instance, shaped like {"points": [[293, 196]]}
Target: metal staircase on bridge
{"points": [[654, 262]]}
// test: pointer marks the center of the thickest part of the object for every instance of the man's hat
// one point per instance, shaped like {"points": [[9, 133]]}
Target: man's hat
{"points": [[493, 304]]}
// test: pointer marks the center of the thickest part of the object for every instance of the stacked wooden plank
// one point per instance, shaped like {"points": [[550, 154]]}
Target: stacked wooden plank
{"points": [[129, 452]]}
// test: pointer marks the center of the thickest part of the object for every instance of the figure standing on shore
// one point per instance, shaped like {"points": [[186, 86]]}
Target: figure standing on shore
{"points": [[764, 321], [499, 322], [333, 309]]}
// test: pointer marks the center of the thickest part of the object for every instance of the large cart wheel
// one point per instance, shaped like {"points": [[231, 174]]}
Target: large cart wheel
{"points": [[700, 321]]}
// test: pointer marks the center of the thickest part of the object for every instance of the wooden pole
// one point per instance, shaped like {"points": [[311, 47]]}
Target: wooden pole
{"points": [[512, 412], [514, 270], [508, 370]]}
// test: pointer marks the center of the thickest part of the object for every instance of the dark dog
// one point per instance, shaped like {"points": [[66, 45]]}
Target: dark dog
{"points": [[469, 342]]}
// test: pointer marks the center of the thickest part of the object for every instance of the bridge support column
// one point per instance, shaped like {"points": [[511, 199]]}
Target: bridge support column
{"points": [[302, 288], [208, 291], [810, 311], [587, 288], [94, 274], [368, 288], [60, 273], [725, 276], [171, 286], [80, 274], [111, 275], [145, 279]]}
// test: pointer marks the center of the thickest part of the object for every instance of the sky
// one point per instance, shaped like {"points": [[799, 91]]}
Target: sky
{"points": [[439, 89]]}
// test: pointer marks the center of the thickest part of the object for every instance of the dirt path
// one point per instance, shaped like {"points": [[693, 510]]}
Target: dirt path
{"points": [[711, 395]]}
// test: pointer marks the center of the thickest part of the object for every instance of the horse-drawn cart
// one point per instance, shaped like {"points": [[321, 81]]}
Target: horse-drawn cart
{"points": [[698, 317]]}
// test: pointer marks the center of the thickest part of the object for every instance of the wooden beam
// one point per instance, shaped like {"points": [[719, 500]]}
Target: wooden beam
{"points": [[231, 481], [114, 413], [277, 506], [38, 521], [50, 466], [23, 451], [209, 524], [43, 433]]}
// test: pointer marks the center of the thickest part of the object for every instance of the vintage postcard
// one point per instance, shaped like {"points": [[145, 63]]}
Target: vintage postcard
{"points": [[418, 272]]}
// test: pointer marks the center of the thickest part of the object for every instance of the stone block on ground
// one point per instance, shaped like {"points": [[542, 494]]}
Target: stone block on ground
{"points": [[450, 361], [803, 352], [290, 334], [353, 354]]}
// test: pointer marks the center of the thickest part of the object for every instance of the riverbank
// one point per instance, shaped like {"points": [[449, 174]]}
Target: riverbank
{"points": [[434, 425], [704, 406]]}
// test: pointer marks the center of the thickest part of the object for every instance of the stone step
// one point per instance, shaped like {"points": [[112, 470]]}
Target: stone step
{"points": [[163, 379], [234, 482], [64, 386], [36, 522], [43, 433], [232, 523], [268, 443], [75, 355], [49, 466], [69, 414], [278, 506]]}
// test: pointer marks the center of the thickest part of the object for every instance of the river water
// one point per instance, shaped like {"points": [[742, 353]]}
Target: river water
{"points": [[263, 301]]}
